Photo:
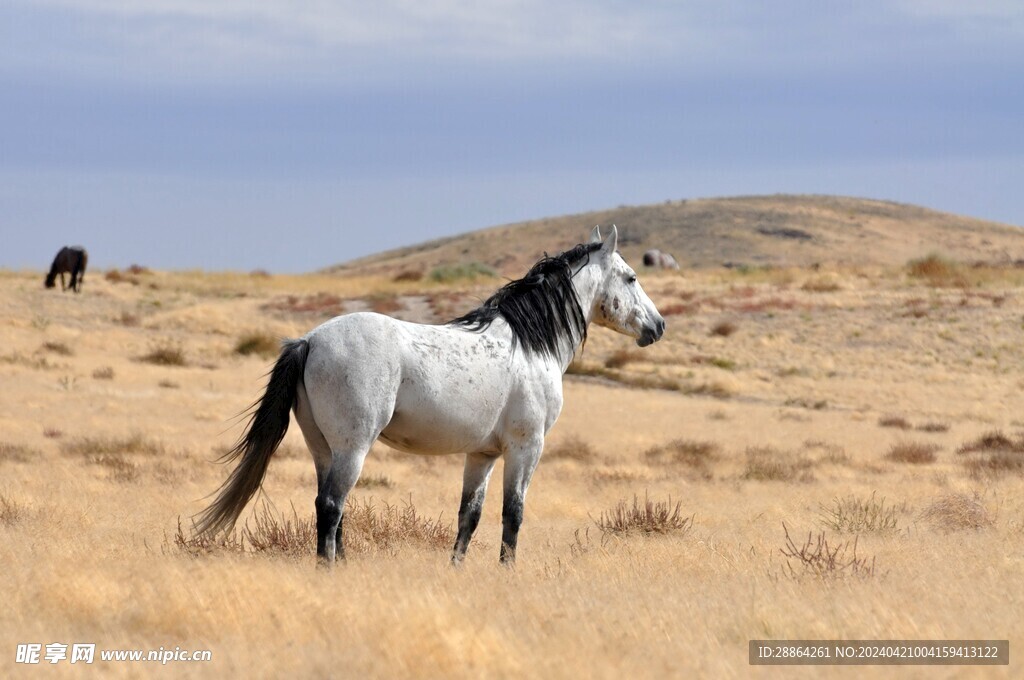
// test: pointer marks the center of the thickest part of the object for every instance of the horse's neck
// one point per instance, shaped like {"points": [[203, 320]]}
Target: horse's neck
{"points": [[587, 282]]}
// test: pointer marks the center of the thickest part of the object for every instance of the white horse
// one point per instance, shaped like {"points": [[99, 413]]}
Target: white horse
{"points": [[487, 384]]}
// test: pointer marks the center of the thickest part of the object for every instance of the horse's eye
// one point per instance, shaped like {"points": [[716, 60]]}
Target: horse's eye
{"points": [[631, 279]]}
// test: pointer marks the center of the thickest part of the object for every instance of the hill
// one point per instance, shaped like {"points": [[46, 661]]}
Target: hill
{"points": [[776, 230]]}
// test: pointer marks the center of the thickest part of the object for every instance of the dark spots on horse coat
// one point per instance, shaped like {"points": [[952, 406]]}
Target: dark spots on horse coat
{"points": [[615, 303]]}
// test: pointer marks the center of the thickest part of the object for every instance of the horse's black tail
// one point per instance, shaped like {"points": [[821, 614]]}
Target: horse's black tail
{"points": [[267, 427]]}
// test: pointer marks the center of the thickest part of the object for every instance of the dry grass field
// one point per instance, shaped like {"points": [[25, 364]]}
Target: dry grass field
{"points": [[667, 524]]}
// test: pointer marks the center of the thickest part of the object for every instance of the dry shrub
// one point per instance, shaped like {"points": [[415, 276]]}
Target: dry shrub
{"points": [[196, 544], [854, 515], [697, 455], [165, 353], [916, 453], [134, 443], [52, 433], [103, 373], [769, 464], [11, 511], [274, 532], [821, 284], [993, 441], [366, 530], [616, 474], [713, 388], [260, 274], [830, 453], [17, 453], [956, 511], [934, 427], [58, 348], [898, 422], [33, 362], [121, 469], [724, 329], [648, 518], [994, 464], [259, 343], [646, 381], [993, 454], [128, 319], [916, 309], [377, 481], [804, 402], [621, 357], [138, 269], [571, 448], [168, 384], [408, 276], [817, 559], [937, 271], [707, 360]]}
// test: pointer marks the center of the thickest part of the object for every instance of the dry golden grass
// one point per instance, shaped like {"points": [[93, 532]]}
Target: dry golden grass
{"points": [[95, 479]]}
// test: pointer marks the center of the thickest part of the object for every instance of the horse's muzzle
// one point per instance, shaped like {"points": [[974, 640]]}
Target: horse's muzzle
{"points": [[651, 334]]}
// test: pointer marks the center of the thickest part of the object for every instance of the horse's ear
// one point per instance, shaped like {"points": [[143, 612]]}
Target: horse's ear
{"points": [[595, 236], [611, 243]]}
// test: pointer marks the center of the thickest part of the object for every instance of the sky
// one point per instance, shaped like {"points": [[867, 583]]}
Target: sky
{"points": [[290, 135]]}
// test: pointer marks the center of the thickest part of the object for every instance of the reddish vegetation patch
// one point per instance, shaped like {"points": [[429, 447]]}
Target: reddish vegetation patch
{"points": [[768, 305], [321, 303], [679, 308]]}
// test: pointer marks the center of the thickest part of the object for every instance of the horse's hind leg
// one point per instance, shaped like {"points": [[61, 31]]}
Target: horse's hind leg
{"points": [[330, 502], [336, 473], [474, 489]]}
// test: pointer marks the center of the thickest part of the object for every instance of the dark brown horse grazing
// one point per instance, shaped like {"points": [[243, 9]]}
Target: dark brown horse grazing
{"points": [[71, 260]]}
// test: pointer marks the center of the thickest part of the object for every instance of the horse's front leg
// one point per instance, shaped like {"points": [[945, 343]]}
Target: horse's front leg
{"points": [[474, 489], [520, 462]]}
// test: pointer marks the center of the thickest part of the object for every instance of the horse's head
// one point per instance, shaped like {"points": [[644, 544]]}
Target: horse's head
{"points": [[621, 304]]}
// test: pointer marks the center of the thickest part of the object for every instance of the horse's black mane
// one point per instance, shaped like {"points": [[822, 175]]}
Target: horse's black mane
{"points": [[541, 308]]}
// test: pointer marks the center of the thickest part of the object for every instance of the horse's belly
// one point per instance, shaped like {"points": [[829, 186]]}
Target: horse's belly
{"points": [[449, 422], [435, 438]]}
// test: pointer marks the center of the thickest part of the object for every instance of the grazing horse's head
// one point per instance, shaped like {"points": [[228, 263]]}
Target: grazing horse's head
{"points": [[621, 304]]}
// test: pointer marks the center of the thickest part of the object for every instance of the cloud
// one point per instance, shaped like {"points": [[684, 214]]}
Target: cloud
{"points": [[394, 41], [231, 32]]}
